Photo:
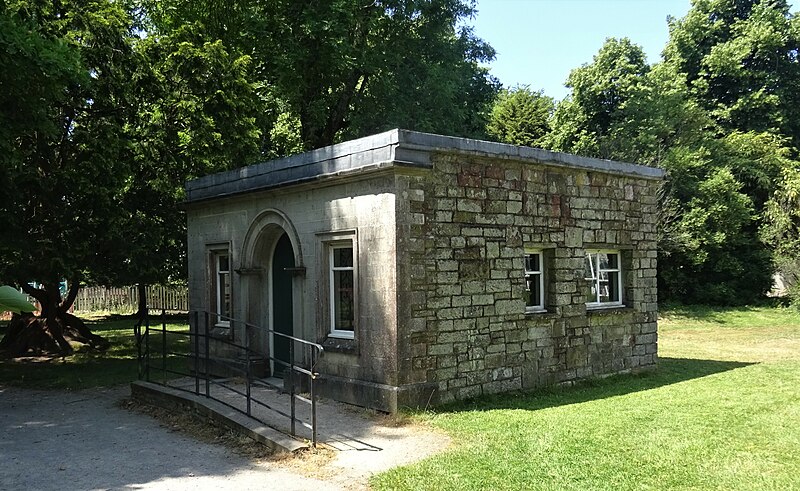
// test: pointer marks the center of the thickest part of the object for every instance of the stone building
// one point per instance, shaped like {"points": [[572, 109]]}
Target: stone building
{"points": [[434, 268]]}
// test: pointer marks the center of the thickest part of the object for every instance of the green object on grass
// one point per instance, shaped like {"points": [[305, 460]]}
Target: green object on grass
{"points": [[12, 300]]}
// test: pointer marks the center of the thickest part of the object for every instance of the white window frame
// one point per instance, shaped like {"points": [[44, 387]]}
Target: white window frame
{"points": [[539, 306], [222, 320], [594, 255], [333, 246]]}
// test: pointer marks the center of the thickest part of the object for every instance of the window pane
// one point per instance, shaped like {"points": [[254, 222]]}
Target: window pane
{"points": [[343, 257], [536, 291], [613, 287], [531, 290], [222, 260], [533, 262], [591, 292], [602, 286], [604, 262], [343, 300], [225, 292], [613, 261]]}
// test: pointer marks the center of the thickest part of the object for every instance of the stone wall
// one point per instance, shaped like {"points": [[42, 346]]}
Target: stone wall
{"points": [[462, 230]]}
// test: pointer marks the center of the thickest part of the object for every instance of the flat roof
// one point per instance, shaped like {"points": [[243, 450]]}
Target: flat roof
{"points": [[394, 148]]}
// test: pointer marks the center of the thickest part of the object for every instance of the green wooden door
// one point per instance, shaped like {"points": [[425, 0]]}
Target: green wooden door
{"points": [[282, 313]]}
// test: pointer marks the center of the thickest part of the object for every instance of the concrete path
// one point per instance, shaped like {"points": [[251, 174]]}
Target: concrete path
{"points": [[82, 441]]}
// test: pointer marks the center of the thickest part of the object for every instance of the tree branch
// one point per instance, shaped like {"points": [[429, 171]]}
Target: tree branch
{"points": [[74, 287]]}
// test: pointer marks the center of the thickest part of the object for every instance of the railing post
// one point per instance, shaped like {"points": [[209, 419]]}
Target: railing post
{"points": [[164, 344], [137, 334], [311, 378], [248, 374], [196, 352], [291, 384], [147, 347], [207, 356]]}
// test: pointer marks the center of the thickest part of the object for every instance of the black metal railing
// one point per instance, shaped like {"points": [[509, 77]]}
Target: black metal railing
{"points": [[210, 337]]}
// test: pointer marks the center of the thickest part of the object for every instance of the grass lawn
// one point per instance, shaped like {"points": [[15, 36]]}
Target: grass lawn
{"points": [[90, 368], [722, 412]]}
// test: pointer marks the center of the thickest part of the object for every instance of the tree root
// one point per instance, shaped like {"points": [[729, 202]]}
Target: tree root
{"points": [[33, 335]]}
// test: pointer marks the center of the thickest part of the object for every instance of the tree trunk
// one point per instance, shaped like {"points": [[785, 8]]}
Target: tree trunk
{"points": [[141, 290], [52, 330]]}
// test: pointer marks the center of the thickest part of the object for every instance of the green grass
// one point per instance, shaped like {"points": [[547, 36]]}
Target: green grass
{"points": [[90, 368], [722, 412]]}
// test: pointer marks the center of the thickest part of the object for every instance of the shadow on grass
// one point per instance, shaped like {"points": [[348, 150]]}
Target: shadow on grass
{"points": [[669, 371], [90, 371]]}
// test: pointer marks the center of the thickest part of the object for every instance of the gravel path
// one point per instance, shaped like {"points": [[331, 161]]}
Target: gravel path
{"points": [[82, 441]]}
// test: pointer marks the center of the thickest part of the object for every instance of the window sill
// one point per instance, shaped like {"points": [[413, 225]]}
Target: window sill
{"points": [[608, 309], [221, 332], [540, 314], [335, 344], [536, 311]]}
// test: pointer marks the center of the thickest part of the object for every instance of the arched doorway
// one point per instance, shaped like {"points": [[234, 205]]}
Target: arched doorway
{"points": [[282, 302]]}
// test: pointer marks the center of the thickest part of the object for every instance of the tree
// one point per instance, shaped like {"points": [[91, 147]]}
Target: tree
{"points": [[347, 68], [123, 122], [717, 181], [521, 116], [583, 122], [740, 58], [195, 114], [781, 229], [63, 116], [739, 62]]}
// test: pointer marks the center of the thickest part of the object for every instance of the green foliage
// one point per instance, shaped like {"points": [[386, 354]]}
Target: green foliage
{"points": [[714, 116], [65, 158], [107, 108], [521, 116], [583, 122], [195, 114], [100, 129], [345, 68], [741, 63], [781, 229], [714, 257]]}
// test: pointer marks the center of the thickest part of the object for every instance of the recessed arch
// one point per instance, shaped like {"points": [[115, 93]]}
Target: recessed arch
{"points": [[267, 228]]}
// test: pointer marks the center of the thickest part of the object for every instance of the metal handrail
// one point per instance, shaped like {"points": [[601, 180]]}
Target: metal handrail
{"points": [[203, 353]]}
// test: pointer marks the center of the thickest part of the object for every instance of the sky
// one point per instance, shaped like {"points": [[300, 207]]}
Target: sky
{"points": [[539, 42]]}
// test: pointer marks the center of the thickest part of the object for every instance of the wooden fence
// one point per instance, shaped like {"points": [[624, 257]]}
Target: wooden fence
{"points": [[126, 300]]}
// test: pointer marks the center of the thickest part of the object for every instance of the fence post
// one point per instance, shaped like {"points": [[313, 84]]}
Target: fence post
{"points": [[196, 353], [312, 378], [147, 347], [208, 361], [246, 360], [137, 332], [291, 383], [164, 343]]}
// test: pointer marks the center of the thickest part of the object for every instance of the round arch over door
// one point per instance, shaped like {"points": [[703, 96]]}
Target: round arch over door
{"points": [[272, 237], [268, 227]]}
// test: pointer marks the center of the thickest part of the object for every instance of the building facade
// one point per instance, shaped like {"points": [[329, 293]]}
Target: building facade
{"points": [[434, 268]]}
